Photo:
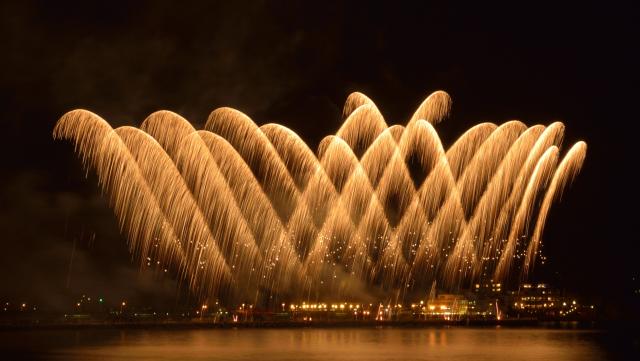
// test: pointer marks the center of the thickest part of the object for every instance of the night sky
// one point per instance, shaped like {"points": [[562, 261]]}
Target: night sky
{"points": [[296, 65]]}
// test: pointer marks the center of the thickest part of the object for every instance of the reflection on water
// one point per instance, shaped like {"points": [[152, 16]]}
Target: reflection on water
{"points": [[315, 344]]}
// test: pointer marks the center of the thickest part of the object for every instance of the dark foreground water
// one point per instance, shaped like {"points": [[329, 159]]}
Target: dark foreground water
{"points": [[300, 344]]}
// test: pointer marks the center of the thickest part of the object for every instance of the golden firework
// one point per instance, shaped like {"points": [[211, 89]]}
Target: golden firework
{"points": [[240, 210]]}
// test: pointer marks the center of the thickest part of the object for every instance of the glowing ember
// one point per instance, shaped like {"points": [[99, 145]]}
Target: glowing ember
{"points": [[243, 211]]}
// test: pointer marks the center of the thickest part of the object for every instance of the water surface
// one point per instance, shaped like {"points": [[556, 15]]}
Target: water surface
{"points": [[333, 344]]}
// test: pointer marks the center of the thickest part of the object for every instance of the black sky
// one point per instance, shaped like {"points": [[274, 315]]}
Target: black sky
{"points": [[295, 65]]}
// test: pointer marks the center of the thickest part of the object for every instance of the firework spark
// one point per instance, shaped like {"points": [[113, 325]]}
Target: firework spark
{"points": [[239, 210]]}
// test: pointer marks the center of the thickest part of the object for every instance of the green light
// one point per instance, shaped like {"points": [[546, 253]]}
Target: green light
{"points": [[100, 300]]}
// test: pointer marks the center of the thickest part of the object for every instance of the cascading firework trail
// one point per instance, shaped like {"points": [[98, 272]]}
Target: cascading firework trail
{"points": [[239, 211]]}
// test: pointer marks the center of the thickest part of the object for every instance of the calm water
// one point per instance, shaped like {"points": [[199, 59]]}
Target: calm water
{"points": [[320, 344]]}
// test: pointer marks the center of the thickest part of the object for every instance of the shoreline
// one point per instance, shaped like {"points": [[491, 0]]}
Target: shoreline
{"points": [[187, 325]]}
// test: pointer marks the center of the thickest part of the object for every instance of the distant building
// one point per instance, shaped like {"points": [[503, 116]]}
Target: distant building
{"points": [[541, 301], [447, 305], [488, 299]]}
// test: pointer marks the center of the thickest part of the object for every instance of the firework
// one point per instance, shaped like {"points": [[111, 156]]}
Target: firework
{"points": [[237, 210]]}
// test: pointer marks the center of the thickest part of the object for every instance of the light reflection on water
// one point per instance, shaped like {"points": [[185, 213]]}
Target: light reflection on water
{"points": [[312, 344]]}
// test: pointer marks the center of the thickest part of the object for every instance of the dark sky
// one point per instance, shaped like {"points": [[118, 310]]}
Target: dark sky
{"points": [[295, 65]]}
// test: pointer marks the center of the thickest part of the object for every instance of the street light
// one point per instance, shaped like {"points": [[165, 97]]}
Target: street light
{"points": [[204, 308]]}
